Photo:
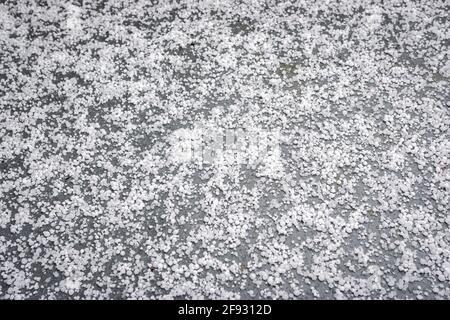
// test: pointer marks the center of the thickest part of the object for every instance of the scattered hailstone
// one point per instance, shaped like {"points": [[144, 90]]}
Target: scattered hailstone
{"points": [[218, 150]]}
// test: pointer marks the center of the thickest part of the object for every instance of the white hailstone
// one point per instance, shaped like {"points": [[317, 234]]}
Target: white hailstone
{"points": [[445, 69], [446, 268]]}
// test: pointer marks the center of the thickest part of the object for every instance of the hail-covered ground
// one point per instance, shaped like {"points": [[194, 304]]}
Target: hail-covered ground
{"points": [[350, 201]]}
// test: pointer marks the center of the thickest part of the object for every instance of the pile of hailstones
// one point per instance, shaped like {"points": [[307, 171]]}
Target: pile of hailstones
{"points": [[108, 109]]}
